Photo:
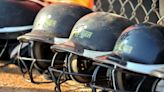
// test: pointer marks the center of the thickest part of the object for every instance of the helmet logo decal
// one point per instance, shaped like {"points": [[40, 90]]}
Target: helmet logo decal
{"points": [[81, 32], [46, 22], [123, 47]]}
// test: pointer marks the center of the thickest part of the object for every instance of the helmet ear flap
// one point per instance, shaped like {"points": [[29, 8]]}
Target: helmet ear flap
{"points": [[80, 65], [42, 51]]}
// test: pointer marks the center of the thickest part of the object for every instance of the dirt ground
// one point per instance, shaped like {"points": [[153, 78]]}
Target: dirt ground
{"points": [[11, 80]]}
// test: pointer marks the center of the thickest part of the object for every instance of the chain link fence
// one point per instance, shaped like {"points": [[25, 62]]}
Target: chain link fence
{"points": [[139, 11]]}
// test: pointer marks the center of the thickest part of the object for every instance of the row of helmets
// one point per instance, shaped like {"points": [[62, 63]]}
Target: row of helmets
{"points": [[69, 36]]}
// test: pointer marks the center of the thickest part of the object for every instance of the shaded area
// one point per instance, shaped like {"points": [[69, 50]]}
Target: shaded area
{"points": [[15, 89], [11, 68], [11, 80]]}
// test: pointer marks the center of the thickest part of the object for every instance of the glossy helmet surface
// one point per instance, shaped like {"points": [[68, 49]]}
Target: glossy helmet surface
{"points": [[16, 17], [141, 43], [95, 30]]}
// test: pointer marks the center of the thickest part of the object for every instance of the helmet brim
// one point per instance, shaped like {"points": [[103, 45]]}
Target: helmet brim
{"points": [[40, 38], [69, 46], [35, 37], [140, 68]]}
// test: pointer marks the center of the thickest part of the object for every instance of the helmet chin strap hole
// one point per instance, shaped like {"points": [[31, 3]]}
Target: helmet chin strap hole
{"points": [[80, 65], [82, 68]]}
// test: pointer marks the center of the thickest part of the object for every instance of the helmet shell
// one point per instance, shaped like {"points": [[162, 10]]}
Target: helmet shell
{"points": [[16, 17], [98, 31], [56, 20], [141, 43], [15, 13]]}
